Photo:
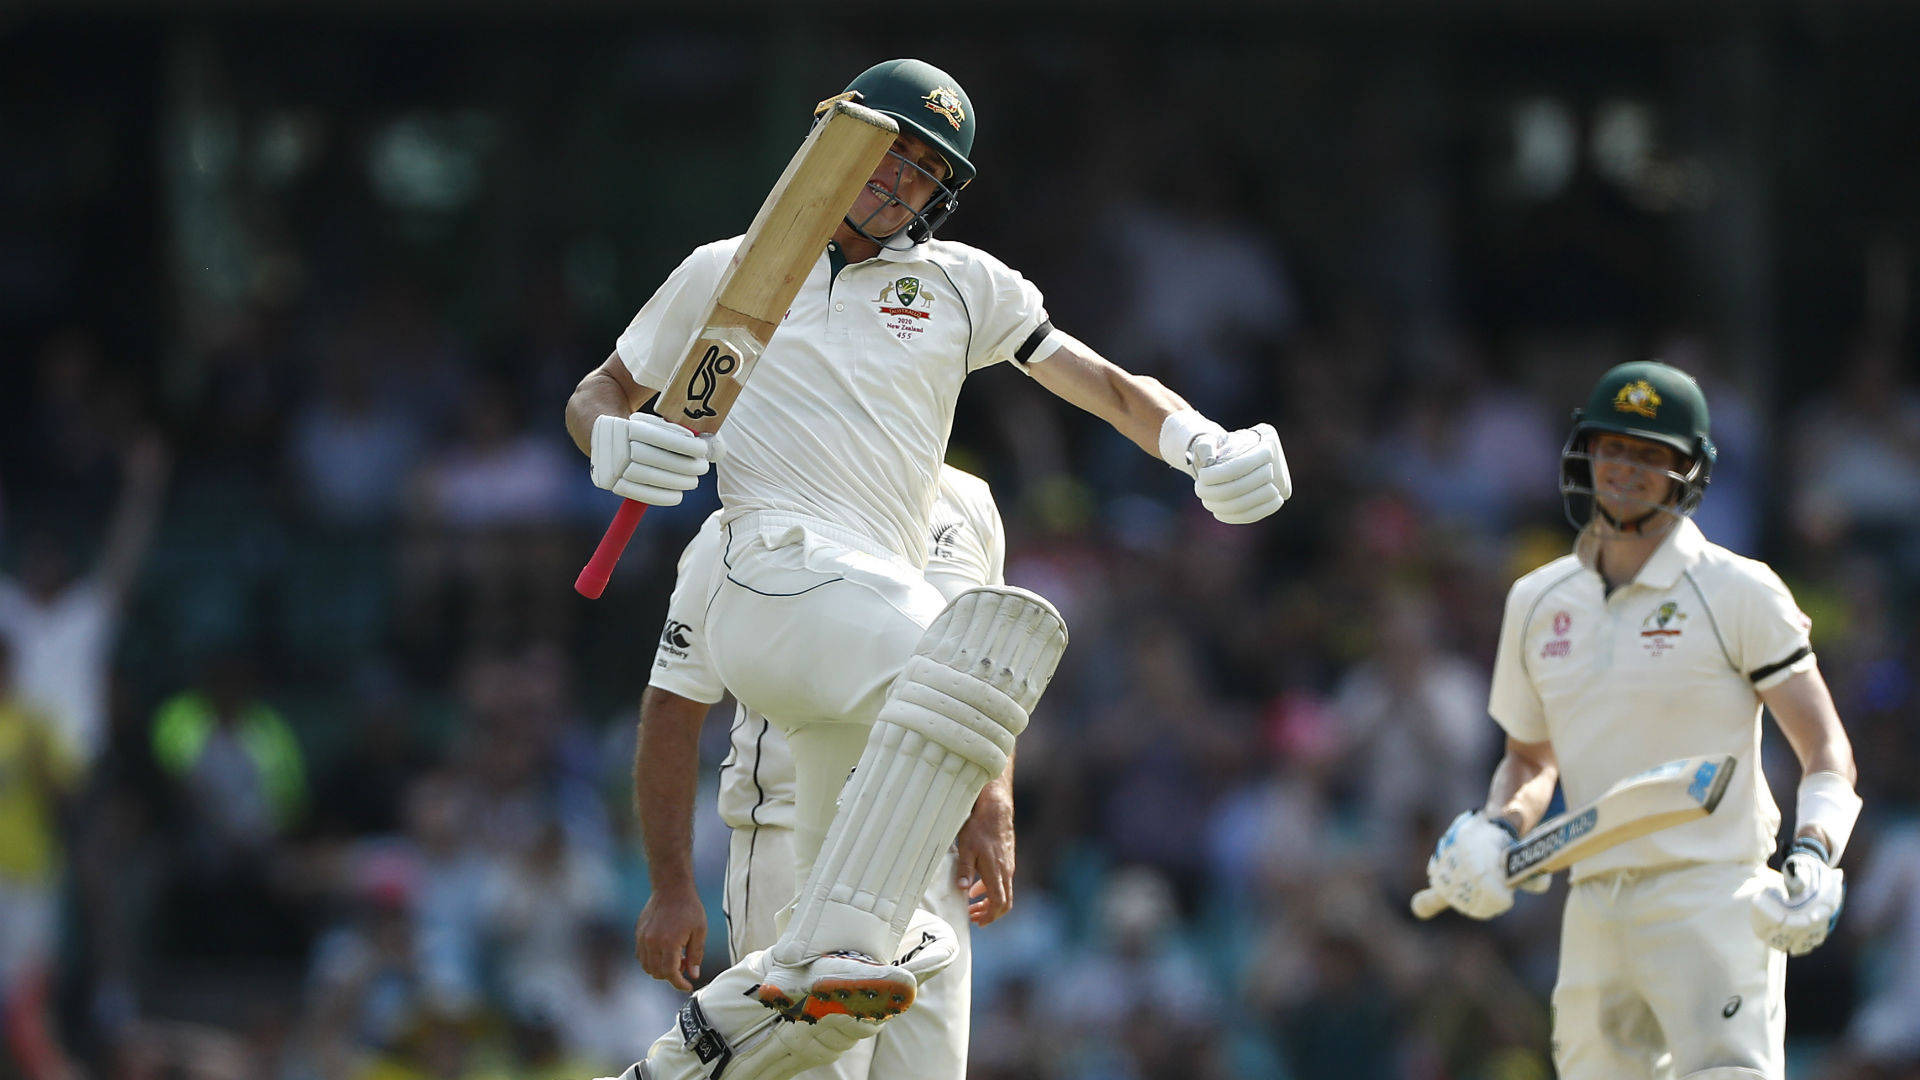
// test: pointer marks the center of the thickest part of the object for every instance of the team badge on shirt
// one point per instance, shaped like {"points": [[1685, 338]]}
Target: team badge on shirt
{"points": [[904, 303], [943, 539], [1662, 627]]}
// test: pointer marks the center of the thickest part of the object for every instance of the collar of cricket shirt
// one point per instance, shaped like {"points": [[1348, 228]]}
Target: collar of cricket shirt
{"points": [[899, 247], [1680, 549]]}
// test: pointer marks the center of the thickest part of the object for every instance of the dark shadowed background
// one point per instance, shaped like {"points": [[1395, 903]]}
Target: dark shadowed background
{"points": [[312, 766]]}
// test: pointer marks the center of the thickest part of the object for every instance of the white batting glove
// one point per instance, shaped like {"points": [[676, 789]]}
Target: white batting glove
{"points": [[1243, 476], [1469, 865], [647, 459], [1797, 916], [1240, 476]]}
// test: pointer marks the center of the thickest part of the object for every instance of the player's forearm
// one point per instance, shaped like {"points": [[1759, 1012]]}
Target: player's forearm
{"points": [[997, 796], [596, 396], [1136, 405], [137, 513], [665, 778], [1803, 708], [1523, 784], [607, 390]]}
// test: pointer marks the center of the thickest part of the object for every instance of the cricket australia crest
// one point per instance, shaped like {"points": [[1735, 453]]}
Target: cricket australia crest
{"points": [[1638, 397], [1660, 630], [897, 302], [946, 101]]}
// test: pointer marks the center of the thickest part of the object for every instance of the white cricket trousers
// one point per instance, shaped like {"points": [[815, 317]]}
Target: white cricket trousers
{"points": [[928, 1041], [808, 626], [1661, 976]]}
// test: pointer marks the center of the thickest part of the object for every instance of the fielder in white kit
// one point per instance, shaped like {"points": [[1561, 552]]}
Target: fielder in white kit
{"points": [[1650, 643], [966, 549], [822, 619]]}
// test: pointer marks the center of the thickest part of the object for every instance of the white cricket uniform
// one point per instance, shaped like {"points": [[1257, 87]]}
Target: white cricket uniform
{"points": [[832, 454], [966, 548], [1660, 972]]}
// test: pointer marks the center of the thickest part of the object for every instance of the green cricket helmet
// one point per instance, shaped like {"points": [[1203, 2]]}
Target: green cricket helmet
{"points": [[930, 105], [1644, 399]]}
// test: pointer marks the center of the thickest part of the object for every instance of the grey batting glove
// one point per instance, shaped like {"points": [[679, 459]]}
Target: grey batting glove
{"points": [[1468, 865], [647, 459], [1798, 914]]}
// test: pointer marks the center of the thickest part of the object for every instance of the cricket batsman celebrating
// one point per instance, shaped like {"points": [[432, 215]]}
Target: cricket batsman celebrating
{"points": [[1650, 643], [821, 618]]}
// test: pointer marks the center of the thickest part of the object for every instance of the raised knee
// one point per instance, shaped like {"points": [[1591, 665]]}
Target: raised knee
{"points": [[978, 671], [1007, 637]]}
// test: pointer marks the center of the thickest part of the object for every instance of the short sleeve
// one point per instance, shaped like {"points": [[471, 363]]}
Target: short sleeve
{"points": [[1514, 701], [654, 343], [1772, 639], [681, 663], [1009, 315]]}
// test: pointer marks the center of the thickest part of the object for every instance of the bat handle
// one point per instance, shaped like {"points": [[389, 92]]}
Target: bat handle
{"points": [[593, 577], [1427, 903]]}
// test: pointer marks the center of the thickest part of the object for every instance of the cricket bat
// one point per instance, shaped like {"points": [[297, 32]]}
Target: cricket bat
{"points": [[1664, 796], [772, 262]]}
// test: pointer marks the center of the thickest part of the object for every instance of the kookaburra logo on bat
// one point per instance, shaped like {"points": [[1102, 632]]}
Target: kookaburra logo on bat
{"points": [[706, 379]]}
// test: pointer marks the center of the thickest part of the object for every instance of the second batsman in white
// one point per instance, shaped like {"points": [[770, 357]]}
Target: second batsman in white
{"points": [[966, 549], [1650, 643], [822, 619]]}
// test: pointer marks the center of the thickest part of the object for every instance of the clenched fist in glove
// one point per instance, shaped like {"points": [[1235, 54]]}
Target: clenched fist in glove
{"points": [[1240, 476], [1469, 865], [647, 459], [1797, 916]]}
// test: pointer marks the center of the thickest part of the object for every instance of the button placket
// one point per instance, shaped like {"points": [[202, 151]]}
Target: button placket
{"points": [[838, 328]]}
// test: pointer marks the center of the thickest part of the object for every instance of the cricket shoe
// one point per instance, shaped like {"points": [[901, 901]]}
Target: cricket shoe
{"points": [[838, 984]]}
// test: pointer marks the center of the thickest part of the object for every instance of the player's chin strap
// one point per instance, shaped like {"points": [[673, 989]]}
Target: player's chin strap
{"points": [[920, 227], [1637, 526]]}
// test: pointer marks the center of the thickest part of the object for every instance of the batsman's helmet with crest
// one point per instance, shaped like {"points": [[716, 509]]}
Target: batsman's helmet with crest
{"points": [[929, 104], [1644, 399]]}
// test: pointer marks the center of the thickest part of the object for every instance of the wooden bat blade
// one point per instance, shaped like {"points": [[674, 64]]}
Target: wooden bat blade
{"points": [[774, 257], [773, 260], [1674, 793], [1660, 798]]}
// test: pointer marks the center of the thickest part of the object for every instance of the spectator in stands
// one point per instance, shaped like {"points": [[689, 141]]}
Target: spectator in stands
{"points": [[62, 621], [36, 772], [237, 760]]}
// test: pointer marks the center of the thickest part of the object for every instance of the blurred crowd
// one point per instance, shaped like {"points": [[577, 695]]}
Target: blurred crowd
{"points": [[312, 767]]}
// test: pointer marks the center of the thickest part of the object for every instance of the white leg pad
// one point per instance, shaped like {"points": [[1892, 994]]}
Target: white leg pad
{"points": [[724, 1033], [946, 728]]}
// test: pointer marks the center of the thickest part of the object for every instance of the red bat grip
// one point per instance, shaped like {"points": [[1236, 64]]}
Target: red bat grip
{"points": [[593, 577]]}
